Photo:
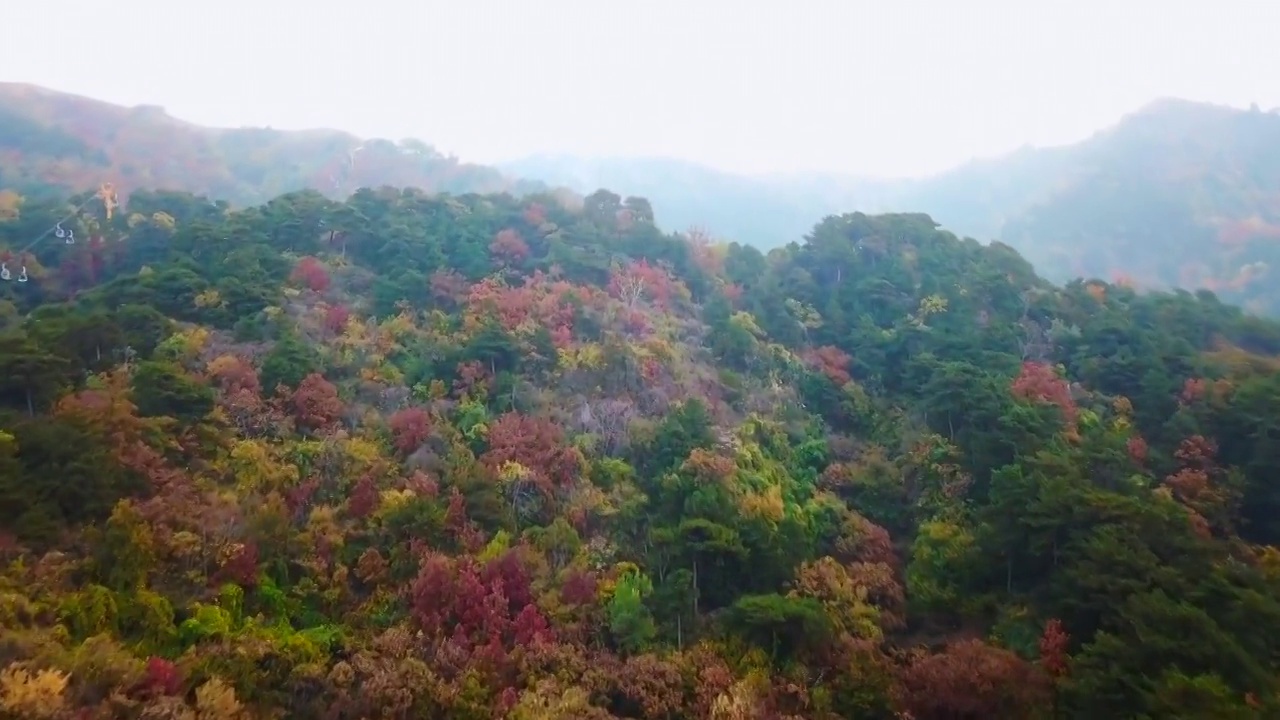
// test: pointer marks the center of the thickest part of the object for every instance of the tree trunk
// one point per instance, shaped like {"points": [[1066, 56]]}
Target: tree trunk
{"points": [[695, 587]]}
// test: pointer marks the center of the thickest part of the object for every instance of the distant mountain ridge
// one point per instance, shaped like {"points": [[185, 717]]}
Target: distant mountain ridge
{"points": [[1176, 194], [761, 211], [54, 138]]}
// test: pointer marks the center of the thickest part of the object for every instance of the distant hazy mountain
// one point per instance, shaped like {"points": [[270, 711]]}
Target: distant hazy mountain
{"points": [[771, 210], [1177, 194], [761, 211], [54, 138]]}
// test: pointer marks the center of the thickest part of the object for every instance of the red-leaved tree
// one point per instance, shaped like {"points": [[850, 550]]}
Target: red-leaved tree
{"points": [[448, 286], [1053, 648], [535, 214], [508, 248], [315, 404], [161, 677], [364, 498], [476, 614], [310, 273], [537, 444], [1137, 449], [970, 679], [335, 318], [410, 428], [240, 566]]}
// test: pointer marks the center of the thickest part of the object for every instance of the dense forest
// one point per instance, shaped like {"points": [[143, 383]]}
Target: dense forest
{"points": [[418, 456]]}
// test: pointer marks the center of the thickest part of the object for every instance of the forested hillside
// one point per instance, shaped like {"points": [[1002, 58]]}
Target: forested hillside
{"points": [[408, 456], [50, 138]]}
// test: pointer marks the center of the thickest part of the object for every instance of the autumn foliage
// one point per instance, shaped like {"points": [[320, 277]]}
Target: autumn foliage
{"points": [[163, 677], [832, 362], [335, 318], [639, 281], [538, 303], [1053, 648], [970, 679], [410, 428], [1039, 382], [520, 459], [508, 248], [537, 445], [315, 403], [311, 274], [535, 214], [476, 615], [1137, 449], [234, 375]]}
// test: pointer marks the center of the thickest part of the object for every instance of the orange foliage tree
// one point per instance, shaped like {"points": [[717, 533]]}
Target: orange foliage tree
{"points": [[1039, 382], [830, 361]]}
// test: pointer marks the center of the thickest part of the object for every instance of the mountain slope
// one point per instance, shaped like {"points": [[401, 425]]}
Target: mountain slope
{"points": [[54, 138], [412, 456]]}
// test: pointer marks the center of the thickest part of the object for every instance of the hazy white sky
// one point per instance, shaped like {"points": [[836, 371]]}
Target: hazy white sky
{"points": [[894, 87]]}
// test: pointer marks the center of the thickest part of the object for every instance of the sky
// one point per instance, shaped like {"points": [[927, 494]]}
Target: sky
{"points": [[888, 88]]}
